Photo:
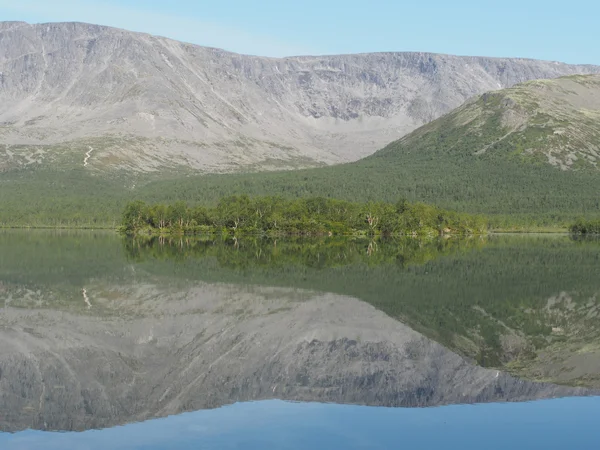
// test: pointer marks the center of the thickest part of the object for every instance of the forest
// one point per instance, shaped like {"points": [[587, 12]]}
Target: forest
{"points": [[276, 216], [586, 227]]}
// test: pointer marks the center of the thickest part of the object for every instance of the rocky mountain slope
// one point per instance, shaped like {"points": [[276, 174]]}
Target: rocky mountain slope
{"points": [[140, 351], [82, 95]]}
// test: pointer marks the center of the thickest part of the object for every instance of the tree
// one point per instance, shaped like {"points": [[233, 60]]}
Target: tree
{"points": [[135, 216], [178, 214]]}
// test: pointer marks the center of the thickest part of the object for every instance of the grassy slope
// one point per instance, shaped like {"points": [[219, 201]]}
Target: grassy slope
{"points": [[492, 155]]}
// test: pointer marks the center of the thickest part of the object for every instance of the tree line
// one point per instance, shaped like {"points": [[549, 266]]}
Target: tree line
{"points": [[305, 216], [586, 227]]}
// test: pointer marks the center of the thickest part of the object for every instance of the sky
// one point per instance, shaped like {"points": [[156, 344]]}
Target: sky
{"points": [[567, 31]]}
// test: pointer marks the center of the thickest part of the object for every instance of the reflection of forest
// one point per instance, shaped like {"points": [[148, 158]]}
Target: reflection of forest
{"points": [[323, 253]]}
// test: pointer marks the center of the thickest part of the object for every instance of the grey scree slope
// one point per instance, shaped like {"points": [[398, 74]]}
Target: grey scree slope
{"points": [[146, 103]]}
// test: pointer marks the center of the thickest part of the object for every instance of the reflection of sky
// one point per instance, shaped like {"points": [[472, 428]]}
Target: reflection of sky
{"points": [[570, 423]]}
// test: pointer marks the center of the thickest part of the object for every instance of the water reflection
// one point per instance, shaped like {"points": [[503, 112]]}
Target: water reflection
{"points": [[569, 423], [99, 332], [527, 304]]}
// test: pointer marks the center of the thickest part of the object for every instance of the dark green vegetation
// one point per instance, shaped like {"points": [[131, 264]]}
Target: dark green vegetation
{"points": [[524, 156], [275, 216], [586, 227], [525, 304], [56, 198], [74, 199]]}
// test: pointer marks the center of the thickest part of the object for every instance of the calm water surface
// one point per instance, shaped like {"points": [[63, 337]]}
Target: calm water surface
{"points": [[333, 343]]}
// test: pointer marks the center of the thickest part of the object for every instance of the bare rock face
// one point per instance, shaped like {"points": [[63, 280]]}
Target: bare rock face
{"points": [[148, 103]]}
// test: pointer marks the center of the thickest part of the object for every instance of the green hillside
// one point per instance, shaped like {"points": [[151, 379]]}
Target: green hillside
{"points": [[526, 154]]}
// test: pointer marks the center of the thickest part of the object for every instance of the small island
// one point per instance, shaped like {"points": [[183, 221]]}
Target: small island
{"points": [[317, 216]]}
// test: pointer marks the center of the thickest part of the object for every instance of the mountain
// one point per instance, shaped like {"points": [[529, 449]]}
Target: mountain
{"points": [[523, 155], [79, 95], [143, 350], [530, 150]]}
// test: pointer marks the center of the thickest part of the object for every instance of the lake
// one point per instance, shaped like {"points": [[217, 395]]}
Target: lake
{"points": [[483, 342]]}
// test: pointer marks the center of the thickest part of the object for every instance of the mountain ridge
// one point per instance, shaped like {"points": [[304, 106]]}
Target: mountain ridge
{"points": [[3, 27], [148, 103]]}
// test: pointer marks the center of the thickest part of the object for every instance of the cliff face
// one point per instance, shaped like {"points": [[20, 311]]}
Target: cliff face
{"points": [[146, 103], [144, 351]]}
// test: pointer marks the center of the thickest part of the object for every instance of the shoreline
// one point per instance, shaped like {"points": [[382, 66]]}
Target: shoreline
{"points": [[541, 231]]}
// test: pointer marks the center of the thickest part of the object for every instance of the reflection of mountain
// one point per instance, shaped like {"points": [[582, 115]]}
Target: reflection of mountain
{"points": [[527, 304], [165, 350]]}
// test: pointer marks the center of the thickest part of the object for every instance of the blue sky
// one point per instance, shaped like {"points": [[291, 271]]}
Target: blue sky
{"points": [[550, 29]]}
